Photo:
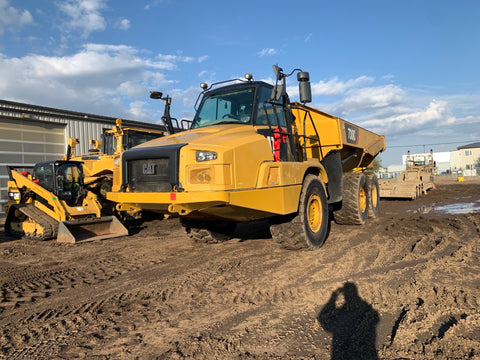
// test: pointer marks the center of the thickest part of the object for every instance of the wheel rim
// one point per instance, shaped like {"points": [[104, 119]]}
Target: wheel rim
{"points": [[363, 199], [314, 213]]}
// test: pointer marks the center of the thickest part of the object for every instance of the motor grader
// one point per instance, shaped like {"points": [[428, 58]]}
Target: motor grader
{"points": [[414, 181], [52, 202], [251, 154]]}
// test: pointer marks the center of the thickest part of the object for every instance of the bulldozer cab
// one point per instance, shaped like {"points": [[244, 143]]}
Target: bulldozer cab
{"points": [[62, 178]]}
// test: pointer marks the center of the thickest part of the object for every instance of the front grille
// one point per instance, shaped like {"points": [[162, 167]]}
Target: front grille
{"points": [[149, 175], [151, 169]]}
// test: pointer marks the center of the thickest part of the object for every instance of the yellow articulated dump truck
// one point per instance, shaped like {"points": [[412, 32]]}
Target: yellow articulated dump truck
{"points": [[52, 202], [251, 154]]}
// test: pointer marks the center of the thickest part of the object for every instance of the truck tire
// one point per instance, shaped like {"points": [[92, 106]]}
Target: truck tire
{"points": [[374, 195], [355, 201], [208, 232], [308, 228]]}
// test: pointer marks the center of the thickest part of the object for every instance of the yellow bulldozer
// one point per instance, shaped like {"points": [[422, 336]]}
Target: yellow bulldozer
{"points": [[52, 202], [251, 154]]}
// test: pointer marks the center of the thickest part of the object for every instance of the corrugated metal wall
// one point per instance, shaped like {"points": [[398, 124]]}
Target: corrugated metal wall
{"points": [[26, 142]]}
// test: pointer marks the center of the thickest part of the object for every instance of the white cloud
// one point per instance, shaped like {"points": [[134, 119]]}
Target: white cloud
{"points": [[137, 110], [394, 111], [437, 114], [267, 51], [333, 86], [152, 4], [368, 99], [12, 18], [97, 79], [123, 24], [84, 15]]}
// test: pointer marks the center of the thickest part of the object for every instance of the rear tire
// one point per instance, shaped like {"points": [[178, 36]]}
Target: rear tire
{"points": [[308, 229], [374, 195], [355, 201]]}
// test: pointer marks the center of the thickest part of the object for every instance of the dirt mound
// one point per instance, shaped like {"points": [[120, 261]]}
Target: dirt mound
{"points": [[404, 286]]}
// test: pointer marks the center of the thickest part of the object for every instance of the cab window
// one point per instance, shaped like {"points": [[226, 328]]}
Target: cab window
{"points": [[227, 107], [266, 112]]}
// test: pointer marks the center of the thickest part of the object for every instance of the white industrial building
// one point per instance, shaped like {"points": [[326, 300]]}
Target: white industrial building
{"points": [[464, 161], [30, 134]]}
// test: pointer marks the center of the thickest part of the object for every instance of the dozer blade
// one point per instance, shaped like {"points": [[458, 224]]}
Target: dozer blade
{"points": [[105, 227]]}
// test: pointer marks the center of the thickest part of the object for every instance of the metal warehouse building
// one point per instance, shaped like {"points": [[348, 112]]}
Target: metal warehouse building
{"points": [[30, 134]]}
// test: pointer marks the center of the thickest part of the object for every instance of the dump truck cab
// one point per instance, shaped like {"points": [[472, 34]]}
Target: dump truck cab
{"points": [[249, 154]]}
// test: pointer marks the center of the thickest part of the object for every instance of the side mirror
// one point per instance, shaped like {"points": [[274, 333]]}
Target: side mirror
{"points": [[155, 95], [304, 87]]}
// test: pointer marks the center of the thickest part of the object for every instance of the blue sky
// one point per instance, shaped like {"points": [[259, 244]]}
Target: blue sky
{"points": [[407, 69]]}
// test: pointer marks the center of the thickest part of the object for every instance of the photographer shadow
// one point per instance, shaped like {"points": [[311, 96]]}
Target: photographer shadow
{"points": [[352, 322]]}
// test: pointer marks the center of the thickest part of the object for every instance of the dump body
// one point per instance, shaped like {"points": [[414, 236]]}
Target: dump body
{"points": [[325, 133]]}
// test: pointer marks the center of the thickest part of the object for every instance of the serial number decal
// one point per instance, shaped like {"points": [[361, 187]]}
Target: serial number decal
{"points": [[351, 133]]}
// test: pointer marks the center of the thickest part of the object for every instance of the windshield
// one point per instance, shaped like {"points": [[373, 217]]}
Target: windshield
{"points": [[134, 138], [108, 147], [229, 107]]}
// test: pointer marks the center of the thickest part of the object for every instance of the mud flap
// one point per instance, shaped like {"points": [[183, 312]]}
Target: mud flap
{"points": [[105, 227]]}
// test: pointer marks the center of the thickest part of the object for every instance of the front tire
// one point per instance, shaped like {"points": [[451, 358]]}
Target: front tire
{"points": [[309, 228]]}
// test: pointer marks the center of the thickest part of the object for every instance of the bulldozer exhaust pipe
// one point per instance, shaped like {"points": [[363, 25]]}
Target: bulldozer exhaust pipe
{"points": [[105, 227]]}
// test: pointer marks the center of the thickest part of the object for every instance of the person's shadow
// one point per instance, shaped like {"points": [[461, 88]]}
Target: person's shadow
{"points": [[352, 322]]}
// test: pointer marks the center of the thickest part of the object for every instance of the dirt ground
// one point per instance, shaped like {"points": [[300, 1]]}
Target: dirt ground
{"points": [[404, 286]]}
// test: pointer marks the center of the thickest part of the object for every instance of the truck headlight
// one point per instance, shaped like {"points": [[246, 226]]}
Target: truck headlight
{"points": [[203, 155]]}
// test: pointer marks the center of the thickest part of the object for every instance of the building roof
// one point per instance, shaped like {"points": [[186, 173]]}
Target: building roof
{"points": [[469, 146], [43, 113]]}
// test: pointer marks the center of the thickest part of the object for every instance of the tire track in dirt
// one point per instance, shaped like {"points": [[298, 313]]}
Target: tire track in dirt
{"points": [[172, 299], [206, 287], [22, 286]]}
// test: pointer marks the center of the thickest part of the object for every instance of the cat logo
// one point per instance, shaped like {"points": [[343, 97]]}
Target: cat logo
{"points": [[148, 169]]}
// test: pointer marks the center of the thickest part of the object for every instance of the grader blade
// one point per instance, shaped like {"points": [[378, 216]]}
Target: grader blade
{"points": [[81, 230]]}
